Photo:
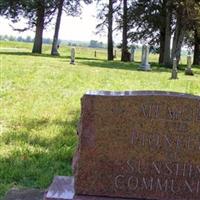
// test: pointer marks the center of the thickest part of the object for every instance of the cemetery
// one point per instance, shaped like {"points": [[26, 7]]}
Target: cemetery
{"points": [[45, 138], [108, 121]]}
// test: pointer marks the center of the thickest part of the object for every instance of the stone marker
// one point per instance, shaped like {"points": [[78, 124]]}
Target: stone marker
{"points": [[133, 53], [138, 145], [72, 56], [145, 66], [115, 54], [188, 70], [174, 70]]}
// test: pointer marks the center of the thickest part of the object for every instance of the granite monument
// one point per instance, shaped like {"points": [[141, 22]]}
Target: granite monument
{"points": [[138, 145]]}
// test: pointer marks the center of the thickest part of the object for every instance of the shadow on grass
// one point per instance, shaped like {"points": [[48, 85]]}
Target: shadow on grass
{"points": [[96, 62], [155, 67], [45, 55], [124, 66], [34, 159]]}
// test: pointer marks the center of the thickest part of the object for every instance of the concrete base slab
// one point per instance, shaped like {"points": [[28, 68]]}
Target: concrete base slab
{"points": [[25, 194], [62, 188], [145, 67]]}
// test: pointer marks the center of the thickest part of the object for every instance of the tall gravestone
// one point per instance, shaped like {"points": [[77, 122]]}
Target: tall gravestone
{"points": [[72, 61], [145, 66], [135, 145], [133, 53], [174, 70], [115, 54], [188, 70]]}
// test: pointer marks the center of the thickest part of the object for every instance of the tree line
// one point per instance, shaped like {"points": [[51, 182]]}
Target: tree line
{"points": [[156, 22], [29, 39]]}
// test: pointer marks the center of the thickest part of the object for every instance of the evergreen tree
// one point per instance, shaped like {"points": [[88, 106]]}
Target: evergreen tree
{"points": [[150, 22], [187, 16]]}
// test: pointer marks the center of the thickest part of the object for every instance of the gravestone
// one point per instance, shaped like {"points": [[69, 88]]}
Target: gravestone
{"points": [[188, 70], [138, 145], [145, 66], [72, 61], [174, 70], [133, 53], [115, 54]]}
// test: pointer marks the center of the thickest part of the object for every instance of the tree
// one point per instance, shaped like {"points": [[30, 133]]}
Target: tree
{"points": [[108, 14], [95, 44], [110, 30], [71, 7], [197, 36], [187, 15], [151, 23], [197, 47], [40, 18], [168, 32], [125, 54], [57, 28], [38, 13]]}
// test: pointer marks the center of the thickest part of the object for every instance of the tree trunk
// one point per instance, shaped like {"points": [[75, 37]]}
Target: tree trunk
{"points": [[162, 46], [125, 54], [196, 48], [37, 46], [110, 31], [178, 40], [54, 48], [166, 59]]}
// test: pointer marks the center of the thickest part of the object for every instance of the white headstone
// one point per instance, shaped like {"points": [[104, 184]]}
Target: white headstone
{"points": [[133, 53], [174, 69], [115, 54], [145, 59], [72, 56], [188, 70]]}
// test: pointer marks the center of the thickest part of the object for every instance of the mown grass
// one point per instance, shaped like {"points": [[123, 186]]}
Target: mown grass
{"points": [[40, 101]]}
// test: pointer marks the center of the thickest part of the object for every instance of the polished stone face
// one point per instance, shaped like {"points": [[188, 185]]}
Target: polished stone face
{"points": [[139, 145]]}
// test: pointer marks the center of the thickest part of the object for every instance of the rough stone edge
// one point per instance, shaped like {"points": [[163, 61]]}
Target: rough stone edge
{"points": [[140, 93]]}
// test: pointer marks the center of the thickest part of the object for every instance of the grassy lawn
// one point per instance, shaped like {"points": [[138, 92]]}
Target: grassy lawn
{"points": [[40, 105]]}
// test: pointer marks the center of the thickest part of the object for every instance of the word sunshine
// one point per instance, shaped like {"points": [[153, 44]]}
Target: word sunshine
{"points": [[159, 176]]}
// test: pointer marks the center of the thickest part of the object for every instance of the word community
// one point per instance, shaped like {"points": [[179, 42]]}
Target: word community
{"points": [[140, 183]]}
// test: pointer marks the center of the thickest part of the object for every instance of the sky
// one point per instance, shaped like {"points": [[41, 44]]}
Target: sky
{"points": [[81, 28]]}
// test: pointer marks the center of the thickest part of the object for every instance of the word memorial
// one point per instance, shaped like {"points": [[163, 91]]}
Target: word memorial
{"points": [[136, 145]]}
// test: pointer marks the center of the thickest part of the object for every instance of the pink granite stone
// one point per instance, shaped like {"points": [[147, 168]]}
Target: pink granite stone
{"points": [[143, 145]]}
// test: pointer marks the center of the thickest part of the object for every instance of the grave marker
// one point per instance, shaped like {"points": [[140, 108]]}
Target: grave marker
{"points": [[133, 48], [72, 56], [138, 145], [145, 66], [188, 70], [174, 70]]}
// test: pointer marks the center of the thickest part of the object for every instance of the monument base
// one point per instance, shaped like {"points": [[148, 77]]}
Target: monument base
{"points": [[62, 188], [188, 71], [145, 67]]}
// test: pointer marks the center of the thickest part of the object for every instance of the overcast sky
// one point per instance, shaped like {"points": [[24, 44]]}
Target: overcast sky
{"points": [[72, 28]]}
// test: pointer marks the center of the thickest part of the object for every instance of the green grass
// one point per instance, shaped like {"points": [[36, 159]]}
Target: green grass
{"points": [[40, 101]]}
